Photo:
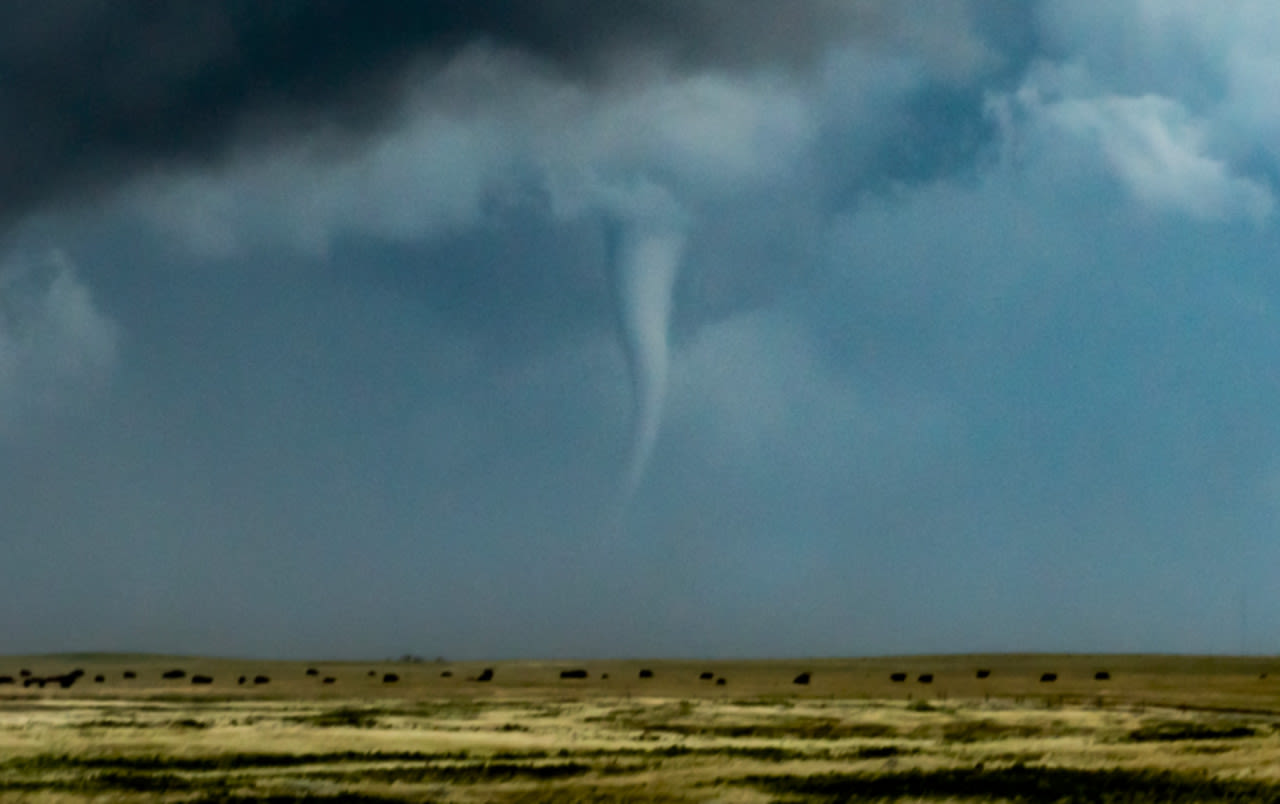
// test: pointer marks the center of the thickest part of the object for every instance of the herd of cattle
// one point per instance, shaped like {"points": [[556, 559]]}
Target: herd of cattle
{"points": [[66, 680]]}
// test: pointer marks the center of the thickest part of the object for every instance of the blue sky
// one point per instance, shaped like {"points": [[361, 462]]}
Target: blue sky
{"points": [[972, 335]]}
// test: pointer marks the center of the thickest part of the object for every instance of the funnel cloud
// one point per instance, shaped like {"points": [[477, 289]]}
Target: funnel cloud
{"points": [[646, 263]]}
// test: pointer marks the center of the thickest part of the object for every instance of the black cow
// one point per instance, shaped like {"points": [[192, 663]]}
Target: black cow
{"points": [[328, 680], [646, 673], [983, 673], [66, 680], [175, 673], [1048, 678], [99, 679], [897, 678], [1103, 675], [801, 679], [262, 679], [25, 673], [485, 675], [241, 680], [720, 682], [390, 678], [130, 674], [447, 674], [706, 675], [198, 679], [573, 673], [6, 680], [925, 678], [311, 671]]}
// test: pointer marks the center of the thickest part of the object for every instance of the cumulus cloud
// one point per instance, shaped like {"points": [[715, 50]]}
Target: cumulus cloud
{"points": [[1157, 151], [54, 341], [703, 137], [1160, 155], [300, 199], [1180, 97]]}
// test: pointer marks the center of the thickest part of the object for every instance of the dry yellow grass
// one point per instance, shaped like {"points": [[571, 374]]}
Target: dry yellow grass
{"points": [[1160, 729]]}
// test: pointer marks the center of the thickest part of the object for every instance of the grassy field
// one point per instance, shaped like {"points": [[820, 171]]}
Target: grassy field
{"points": [[1156, 729]]}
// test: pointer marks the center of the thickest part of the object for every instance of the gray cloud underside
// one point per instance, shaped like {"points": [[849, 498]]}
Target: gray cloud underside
{"points": [[93, 89]]}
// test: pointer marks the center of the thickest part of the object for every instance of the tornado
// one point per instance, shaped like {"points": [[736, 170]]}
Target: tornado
{"points": [[646, 261]]}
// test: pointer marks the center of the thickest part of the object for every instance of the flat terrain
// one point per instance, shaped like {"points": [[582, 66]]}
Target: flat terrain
{"points": [[1155, 728]]}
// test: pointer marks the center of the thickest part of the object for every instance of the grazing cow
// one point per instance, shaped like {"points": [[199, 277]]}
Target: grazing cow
{"points": [[241, 680], [65, 680], [706, 675], [99, 679], [573, 673], [130, 674], [25, 673], [198, 679], [983, 673], [390, 678], [174, 674], [6, 680], [328, 680], [720, 682], [925, 678], [311, 671], [485, 675], [262, 679], [801, 679], [897, 678], [446, 674], [1103, 675], [1047, 678], [646, 673]]}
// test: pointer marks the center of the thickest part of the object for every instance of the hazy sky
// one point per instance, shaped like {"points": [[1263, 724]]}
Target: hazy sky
{"points": [[310, 343]]}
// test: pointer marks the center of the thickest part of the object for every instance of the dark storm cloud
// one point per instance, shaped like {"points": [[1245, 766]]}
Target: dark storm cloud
{"points": [[92, 90], [972, 344]]}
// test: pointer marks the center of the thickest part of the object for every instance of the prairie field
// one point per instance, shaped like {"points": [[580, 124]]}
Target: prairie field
{"points": [[1150, 729]]}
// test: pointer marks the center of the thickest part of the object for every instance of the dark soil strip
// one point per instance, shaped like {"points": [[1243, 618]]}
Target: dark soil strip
{"points": [[1020, 783]]}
